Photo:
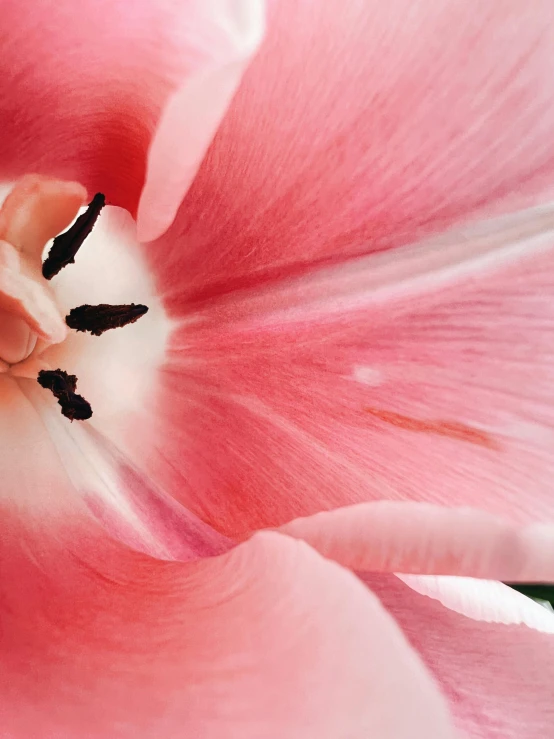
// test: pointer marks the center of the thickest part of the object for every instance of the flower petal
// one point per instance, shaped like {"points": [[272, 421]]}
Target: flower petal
{"points": [[47, 461], [269, 640], [498, 678], [358, 126], [424, 373], [193, 113], [419, 538], [483, 600], [83, 87], [99, 640]]}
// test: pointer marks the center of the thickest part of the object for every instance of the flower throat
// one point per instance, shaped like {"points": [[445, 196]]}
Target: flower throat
{"points": [[94, 319]]}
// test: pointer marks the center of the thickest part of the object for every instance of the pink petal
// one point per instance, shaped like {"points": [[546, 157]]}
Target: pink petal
{"points": [[484, 600], [424, 539], [423, 373], [498, 678], [101, 641], [84, 86], [270, 640], [193, 113], [360, 125]]}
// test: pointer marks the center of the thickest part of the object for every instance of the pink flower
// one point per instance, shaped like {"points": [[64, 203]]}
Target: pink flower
{"points": [[347, 258]]}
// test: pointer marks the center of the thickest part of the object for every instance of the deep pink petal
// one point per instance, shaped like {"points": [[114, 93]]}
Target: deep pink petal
{"points": [[419, 538], [498, 678], [270, 640], [425, 373], [82, 87], [360, 125]]}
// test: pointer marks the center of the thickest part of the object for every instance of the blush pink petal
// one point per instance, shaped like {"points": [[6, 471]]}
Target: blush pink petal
{"points": [[83, 87], [423, 373], [191, 116], [483, 600], [269, 640], [498, 679], [423, 542], [419, 538], [361, 125]]}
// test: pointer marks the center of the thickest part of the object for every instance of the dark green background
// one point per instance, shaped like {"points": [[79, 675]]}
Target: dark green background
{"points": [[535, 590]]}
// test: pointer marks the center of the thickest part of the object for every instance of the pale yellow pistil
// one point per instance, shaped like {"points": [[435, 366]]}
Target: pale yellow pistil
{"points": [[36, 210]]}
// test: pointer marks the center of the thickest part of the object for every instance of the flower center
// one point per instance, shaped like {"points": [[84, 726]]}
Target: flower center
{"points": [[37, 209]]}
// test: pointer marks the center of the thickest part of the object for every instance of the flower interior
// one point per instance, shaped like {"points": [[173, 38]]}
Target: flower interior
{"points": [[62, 300]]}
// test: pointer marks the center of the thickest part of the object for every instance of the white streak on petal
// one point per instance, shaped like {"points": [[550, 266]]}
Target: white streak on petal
{"points": [[368, 375]]}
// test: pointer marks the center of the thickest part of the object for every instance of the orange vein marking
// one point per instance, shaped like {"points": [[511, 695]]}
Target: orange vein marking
{"points": [[450, 429]]}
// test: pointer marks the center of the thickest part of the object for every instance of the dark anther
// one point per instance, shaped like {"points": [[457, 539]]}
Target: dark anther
{"points": [[63, 387], [58, 381], [66, 245], [99, 318]]}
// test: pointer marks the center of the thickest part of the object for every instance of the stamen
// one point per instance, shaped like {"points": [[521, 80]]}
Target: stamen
{"points": [[66, 245], [99, 318], [63, 387]]}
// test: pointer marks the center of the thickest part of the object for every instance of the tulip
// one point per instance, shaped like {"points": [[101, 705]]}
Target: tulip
{"points": [[277, 420]]}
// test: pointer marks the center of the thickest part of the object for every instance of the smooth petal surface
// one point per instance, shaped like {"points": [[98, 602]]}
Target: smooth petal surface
{"points": [[270, 640], [190, 118], [483, 600], [498, 678], [419, 538], [423, 373], [83, 87], [361, 125]]}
